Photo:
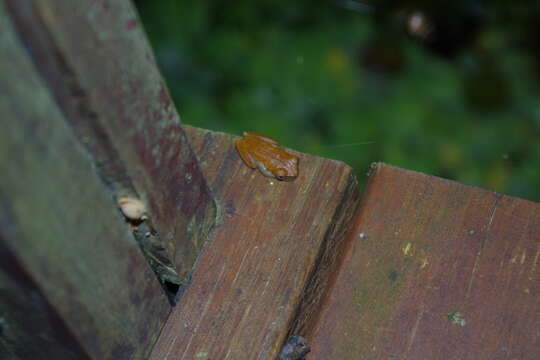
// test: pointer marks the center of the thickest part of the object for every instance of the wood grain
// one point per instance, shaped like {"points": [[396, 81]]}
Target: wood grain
{"points": [[248, 284], [67, 257], [25, 312], [95, 58], [434, 270]]}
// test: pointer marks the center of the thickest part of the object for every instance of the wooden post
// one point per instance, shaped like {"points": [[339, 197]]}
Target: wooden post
{"points": [[97, 63], [86, 120]]}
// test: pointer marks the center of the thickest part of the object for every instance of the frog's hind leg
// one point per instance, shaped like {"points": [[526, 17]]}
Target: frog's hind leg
{"points": [[260, 137], [244, 154]]}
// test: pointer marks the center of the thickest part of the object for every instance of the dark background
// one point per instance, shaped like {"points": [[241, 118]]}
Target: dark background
{"points": [[449, 89]]}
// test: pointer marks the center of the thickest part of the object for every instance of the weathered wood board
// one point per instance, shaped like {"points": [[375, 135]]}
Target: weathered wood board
{"points": [[73, 281], [30, 328], [248, 284], [95, 58], [434, 270]]}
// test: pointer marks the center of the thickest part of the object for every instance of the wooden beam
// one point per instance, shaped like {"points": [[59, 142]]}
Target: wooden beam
{"points": [[25, 312], [434, 270], [67, 256], [95, 58], [249, 284]]}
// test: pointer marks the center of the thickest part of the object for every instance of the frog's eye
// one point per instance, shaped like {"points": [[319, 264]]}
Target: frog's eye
{"points": [[280, 173]]}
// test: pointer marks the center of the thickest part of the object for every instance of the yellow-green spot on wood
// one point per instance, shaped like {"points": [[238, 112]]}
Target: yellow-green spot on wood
{"points": [[423, 263], [456, 318], [201, 355], [406, 249]]}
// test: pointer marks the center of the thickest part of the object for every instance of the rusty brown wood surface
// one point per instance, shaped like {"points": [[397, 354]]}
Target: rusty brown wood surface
{"points": [[96, 60], [248, 284], [434, 270], [73, 281]]}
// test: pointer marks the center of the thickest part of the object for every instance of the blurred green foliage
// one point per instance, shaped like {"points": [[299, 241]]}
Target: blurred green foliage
{"points": [[450, 99]]}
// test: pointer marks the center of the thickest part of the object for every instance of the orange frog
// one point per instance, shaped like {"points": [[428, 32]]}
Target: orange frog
{"points": [[264, 153]]}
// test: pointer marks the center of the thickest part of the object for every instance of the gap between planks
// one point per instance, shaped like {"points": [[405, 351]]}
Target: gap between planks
{"points": [[250, 284]]}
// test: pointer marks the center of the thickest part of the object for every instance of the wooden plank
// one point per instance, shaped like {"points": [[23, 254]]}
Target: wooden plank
{"points": [[30, 328], [434, 270], [248, 284], [61, 233], [94, 56]]}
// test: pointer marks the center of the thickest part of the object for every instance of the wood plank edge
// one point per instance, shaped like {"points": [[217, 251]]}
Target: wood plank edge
{"points": [[307, 316], [319, 282]]}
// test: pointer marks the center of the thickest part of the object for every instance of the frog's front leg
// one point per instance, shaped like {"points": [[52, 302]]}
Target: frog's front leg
{"points": [[264, 170]]}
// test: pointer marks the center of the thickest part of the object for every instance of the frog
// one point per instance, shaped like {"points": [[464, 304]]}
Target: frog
{"points": [[264, 153]]}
